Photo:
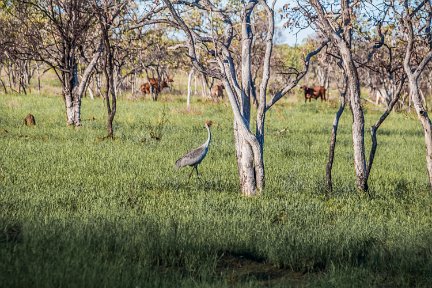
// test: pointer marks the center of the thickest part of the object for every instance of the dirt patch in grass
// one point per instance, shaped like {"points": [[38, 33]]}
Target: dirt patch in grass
{"points": [[243, 267]]}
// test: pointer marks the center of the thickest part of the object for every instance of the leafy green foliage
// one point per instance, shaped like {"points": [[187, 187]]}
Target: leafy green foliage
{"points": [[79, 212]]}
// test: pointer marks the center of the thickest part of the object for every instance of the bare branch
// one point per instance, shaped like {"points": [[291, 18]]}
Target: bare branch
{"points": [[277, 96]]}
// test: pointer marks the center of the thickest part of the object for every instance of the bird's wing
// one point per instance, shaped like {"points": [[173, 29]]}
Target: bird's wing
{"points": [[192, 157]]}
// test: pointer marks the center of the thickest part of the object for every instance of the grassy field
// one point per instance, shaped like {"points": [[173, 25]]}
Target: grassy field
{"points": [[79, 211]]}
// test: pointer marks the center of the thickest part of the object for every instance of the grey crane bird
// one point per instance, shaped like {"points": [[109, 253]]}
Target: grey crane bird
{"points": [[193, 158]]}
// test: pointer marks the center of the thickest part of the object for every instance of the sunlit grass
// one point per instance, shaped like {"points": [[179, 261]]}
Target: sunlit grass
{"points": [[77, 211]]}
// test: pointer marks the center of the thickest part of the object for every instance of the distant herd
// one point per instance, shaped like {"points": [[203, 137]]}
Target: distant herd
{"points": [[156, 85], [216, 92]]}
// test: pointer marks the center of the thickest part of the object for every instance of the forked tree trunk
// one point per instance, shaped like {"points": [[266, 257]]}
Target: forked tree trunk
{"points": [[395, 94], [73, 92], [342, 39], [413, 76], [425, 122], [250, 163]]}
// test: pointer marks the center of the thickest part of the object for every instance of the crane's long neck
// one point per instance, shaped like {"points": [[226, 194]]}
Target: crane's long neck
{"points": [[209, 136]]}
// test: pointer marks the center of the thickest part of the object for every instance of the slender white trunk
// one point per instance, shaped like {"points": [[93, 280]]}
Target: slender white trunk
{"points": [[195, 85], [188, 100], [90, 93], [203, 87], [78, 91], [425, 122], [38, 77]]}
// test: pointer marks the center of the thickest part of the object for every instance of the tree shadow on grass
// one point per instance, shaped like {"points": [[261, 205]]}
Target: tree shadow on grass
{"points": [[237, 267]]}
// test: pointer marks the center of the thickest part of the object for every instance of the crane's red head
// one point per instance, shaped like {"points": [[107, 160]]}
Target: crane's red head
{"points": [[208, 123]]}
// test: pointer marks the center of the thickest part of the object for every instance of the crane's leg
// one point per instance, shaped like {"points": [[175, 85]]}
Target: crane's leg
{"points": [[196, 169], [190, 174]]}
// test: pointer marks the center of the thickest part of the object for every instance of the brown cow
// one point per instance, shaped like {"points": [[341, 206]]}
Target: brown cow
{"points": [[315, 92], [217, 91], [145, 88]]}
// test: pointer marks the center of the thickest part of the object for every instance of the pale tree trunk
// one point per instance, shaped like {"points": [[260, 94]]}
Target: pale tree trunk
{"points": [[429, 84], [353, 89], [343, 43], [98, 83], [90, 93], [250, 161], [203, 87], [327, 79], [323, 75], [423, 99], [244, 149], [68, 99], [245, 163], [78, 91], [73, 91], [206, 93], [358, 138], [377, 94], [195, 84], [188, 100], [425, 122], [358, 117], [413, 76]]}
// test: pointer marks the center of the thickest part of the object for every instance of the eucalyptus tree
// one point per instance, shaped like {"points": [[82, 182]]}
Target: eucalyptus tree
{"points": [[7, 41], [108, 13], [416, 31], [225, 34], [17, 68], [343, 23], [339, 27], [61, 34]]}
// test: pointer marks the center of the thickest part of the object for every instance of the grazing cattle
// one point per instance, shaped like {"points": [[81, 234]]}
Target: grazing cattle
{"points": [[145, 88], [314, 92], [217, 91]]}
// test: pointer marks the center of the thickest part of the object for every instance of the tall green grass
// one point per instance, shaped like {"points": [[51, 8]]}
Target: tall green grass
{"points": [[78, 211]]}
